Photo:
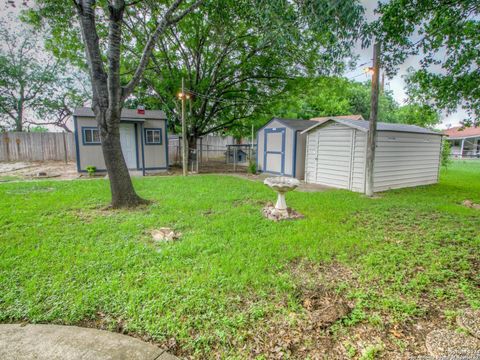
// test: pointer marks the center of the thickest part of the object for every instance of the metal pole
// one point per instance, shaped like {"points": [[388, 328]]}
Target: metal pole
{"points": [[234, 158], [184, 134], [65, 148], [372, 130]]}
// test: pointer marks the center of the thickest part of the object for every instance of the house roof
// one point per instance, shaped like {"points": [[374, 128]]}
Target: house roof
{"points": [[341, 117], [126, 113], [459, 132], [363, 125]]}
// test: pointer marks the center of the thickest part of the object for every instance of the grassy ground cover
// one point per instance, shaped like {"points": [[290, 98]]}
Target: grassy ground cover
{"points": [[236, 284]]}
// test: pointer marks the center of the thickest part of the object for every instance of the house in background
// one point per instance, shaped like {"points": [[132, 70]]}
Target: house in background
{"points": [[465, 142], [143, 136], [281, 145]]}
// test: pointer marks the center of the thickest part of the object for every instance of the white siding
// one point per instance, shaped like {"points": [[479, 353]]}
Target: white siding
{"points": [[359, 156], [329, 156], [335, 156], [300, 154], [310, 153], [406, 159]]}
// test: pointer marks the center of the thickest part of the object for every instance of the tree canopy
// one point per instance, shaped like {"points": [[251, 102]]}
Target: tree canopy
{"points": [[447, 36], [305, 98], [35, 87], [234, 55]]}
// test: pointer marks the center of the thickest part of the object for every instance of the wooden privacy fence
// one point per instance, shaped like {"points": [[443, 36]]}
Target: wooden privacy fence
{"points": [[36, 146]]}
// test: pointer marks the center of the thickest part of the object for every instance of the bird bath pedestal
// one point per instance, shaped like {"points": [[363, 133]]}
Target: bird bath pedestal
{"points": [[280, 185]]}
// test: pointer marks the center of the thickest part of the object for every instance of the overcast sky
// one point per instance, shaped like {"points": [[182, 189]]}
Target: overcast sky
{"points": [[396, 85]]}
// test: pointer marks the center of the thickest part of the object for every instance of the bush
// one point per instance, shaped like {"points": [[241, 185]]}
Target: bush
{"points": [[91, 170], [445, 155], [252, 167]]}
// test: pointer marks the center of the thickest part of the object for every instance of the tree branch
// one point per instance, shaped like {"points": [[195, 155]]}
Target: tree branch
{"points": [[152, 40]]}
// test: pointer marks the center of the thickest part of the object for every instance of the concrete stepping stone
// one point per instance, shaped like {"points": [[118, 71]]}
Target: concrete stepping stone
{"points": [[55, 342], [470, 320], [448, 342]]}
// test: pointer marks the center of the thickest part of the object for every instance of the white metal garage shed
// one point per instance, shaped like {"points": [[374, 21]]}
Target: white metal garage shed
{"points": [[281, 147], [405, 155]]}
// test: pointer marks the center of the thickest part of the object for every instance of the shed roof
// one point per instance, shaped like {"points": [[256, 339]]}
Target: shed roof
{"points": [[295, 124], [126, 113], [363, 125], [462, 132]]}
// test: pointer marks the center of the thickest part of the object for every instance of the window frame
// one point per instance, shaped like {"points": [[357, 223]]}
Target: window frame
{"points": [[84, 137], [160, 141]]}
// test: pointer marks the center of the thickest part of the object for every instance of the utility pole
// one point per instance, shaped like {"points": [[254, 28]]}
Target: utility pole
{"points": [[382, 84], [372, 130], [183, 96]]}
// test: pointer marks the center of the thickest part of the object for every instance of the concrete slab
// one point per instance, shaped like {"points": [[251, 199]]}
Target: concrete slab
{"points": [[55, 342]]}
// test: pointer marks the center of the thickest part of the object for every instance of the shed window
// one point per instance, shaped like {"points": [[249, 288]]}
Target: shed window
{"points": [[91, 136], [153, 136]]}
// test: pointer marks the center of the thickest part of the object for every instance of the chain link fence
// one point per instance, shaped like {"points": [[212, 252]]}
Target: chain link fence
{"points": [[213, 155]]}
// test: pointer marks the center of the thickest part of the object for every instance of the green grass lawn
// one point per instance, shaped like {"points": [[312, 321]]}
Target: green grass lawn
{"points": [[410, 255]]}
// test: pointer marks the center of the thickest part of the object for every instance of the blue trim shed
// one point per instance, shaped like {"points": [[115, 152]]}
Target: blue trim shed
{"points": [[143, 136], [281, 147]]}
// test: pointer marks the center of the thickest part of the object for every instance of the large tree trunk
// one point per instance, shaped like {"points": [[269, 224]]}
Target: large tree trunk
{"points": [[107, 102], [123, 193], [108, 93]]}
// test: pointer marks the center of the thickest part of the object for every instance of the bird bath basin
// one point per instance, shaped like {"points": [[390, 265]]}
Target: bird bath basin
{"points": [[281, 185]]}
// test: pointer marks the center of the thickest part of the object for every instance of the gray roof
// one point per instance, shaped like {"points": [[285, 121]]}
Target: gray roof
{"points": [[340, 117], [295, 124], [363, 125], [126, 113]]}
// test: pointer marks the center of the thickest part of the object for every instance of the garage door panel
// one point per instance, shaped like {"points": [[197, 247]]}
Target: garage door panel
{"points": [[333, 157]]}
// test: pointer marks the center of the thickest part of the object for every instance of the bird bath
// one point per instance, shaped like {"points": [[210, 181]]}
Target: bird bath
{"points": [[280, 185]]}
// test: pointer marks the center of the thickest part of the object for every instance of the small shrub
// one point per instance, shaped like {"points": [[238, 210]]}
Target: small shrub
{"points": [[252, 167], [445, 155], [372, 352], [91, 170]]}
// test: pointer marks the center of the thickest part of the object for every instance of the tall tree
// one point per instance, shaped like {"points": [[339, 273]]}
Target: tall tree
{"points": [[101, 24], [304, 98], [28, 78], [237, 54], [57, 110], [446, 33]]}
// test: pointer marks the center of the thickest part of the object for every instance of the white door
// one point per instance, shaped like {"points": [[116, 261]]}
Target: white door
{"points": [[274, 151], [127, 139]]}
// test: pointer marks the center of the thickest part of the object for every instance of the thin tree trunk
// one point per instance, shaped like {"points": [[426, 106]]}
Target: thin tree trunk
{"points": [[192, 147], [19, 120]]}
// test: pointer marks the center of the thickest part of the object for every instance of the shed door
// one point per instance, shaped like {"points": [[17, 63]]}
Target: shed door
{"points": [[333, 158], [274, 151], [127, 140]]}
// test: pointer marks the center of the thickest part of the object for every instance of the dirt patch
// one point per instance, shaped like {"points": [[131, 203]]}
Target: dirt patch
{"points": [[324, 327], [306, 333], [30, 170]]}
